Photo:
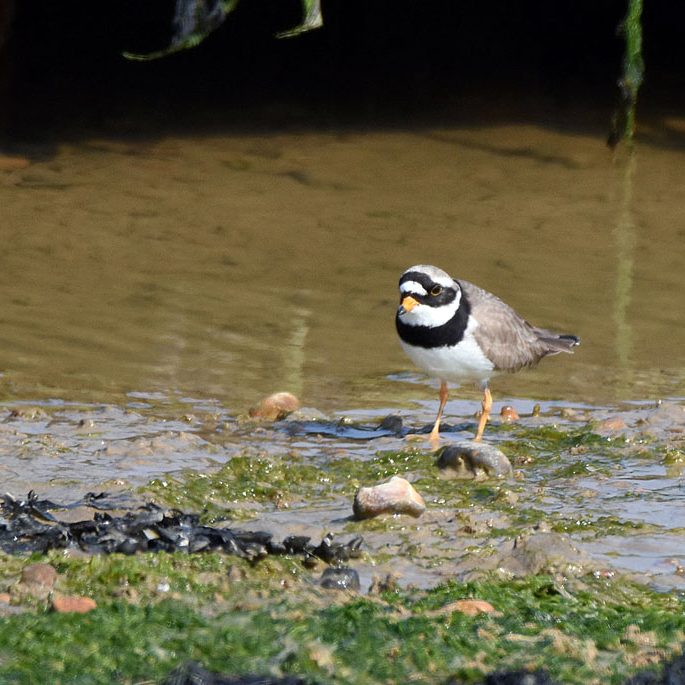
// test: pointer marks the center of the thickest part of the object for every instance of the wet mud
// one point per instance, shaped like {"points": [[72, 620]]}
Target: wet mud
{"points": [[593, 490]]}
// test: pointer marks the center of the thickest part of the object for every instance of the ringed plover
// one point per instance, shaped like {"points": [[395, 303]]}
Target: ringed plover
{"points": [[455, 331]]}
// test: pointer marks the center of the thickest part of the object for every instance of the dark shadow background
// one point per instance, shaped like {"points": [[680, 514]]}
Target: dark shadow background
{"points": [[375, 62]]}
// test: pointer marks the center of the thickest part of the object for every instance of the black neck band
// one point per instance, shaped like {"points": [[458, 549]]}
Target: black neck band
{"points": [[450, 333]]}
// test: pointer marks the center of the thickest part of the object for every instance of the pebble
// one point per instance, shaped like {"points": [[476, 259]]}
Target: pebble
{"points": [[275, 407], [395, 496], [473, 460], [508, 414], [73, 604], [340, 578]]}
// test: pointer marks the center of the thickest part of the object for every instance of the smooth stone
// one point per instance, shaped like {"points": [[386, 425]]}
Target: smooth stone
{"points": [[473, 460], [275, 407], [341, 578], [508, 414], [395, 496]]}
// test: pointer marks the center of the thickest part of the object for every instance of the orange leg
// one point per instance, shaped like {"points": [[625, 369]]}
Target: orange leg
{"points": [[435, 433], [485, 413]]}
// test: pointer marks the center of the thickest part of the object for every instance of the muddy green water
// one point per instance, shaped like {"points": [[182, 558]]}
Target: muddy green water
{"points": [[228, 266], [140, 279]]}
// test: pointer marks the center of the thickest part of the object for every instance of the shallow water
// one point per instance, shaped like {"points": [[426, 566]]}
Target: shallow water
{"points": [[226, 266], [154, 289]]}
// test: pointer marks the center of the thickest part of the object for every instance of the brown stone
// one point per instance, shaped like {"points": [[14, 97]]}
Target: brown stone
{"points": [[508, 414], [275, 407], [73, 604], [5, 597], [41, 575]]}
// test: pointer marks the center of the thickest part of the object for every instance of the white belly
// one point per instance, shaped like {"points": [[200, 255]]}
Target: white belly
{"points": [[462, 363]]}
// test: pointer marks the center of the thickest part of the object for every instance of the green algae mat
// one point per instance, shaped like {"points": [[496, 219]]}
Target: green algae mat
{"points": [[157, 611]]}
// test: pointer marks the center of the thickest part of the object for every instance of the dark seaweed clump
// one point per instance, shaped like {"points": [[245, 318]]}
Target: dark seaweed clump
{"points": [[28, 525]]}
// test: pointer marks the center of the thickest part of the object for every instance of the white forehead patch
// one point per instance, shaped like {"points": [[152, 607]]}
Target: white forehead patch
{"points": [[413, 287], [436, 275], [445, 281]]}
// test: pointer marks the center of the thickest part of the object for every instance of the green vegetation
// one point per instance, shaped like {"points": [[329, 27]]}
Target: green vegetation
{"points": [[194, 20], [597, 631], [252, 480], [623, 127]]}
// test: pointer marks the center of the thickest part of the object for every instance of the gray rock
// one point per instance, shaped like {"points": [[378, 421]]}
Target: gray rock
{"points": [[342, 578], [473, 460], [532, 553], [545, 552]]}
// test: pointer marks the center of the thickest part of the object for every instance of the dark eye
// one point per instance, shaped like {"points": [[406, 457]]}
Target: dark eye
{"points": [[436, 290]]}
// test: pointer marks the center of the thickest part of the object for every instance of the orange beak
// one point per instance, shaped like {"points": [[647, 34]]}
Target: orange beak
{"points": [[408, 303]]}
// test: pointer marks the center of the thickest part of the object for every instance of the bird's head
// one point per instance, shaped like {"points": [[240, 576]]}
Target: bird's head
{"points": [[428, 296]]}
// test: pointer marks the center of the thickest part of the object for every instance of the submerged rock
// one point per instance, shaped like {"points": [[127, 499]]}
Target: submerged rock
{"points": [[546, 552], [275, 407], [342, 578], [473, 460], [611, 426], [396, 496], [530, 554]]}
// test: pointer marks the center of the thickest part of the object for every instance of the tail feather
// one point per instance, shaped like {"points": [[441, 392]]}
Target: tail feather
{"points": [[558, 343]]}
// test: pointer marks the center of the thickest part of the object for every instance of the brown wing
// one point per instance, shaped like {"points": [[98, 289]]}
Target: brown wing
{"points": [[506, 339]]}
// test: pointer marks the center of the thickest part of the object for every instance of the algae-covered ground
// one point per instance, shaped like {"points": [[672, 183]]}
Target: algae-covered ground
{"points": [[155, 612], [578, 555]]}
